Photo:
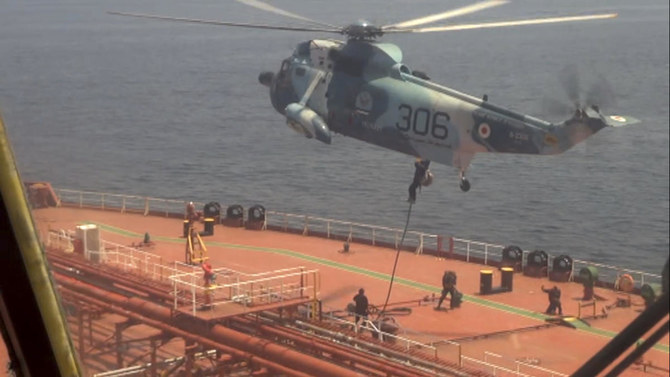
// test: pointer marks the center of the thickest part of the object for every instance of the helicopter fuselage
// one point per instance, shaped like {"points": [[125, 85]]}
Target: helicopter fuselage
{"points": [[363, 90]]}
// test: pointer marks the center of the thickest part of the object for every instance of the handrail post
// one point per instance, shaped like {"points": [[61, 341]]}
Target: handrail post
{"points": [[467, 252], [373, 236], [123, 204], [81, 199], [305, 230], [193, 291], [328, 229], [146, 206], [102, 199], [486, 254], [419, 249]]}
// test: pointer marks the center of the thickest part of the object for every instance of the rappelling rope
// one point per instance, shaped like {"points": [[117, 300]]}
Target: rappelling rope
{"points": [[395, 264]]}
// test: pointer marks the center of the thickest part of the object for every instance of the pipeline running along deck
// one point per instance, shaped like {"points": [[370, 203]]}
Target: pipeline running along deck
{"points": [[126, 314]]}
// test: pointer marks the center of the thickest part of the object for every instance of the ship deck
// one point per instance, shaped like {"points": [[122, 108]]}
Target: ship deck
{"points": [[500, 329]]}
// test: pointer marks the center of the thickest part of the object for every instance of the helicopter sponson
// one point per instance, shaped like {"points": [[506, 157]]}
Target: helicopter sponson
{"points": [[307, 122]]}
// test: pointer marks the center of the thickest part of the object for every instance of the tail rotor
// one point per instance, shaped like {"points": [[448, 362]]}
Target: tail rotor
{"points": [[599, 95]]}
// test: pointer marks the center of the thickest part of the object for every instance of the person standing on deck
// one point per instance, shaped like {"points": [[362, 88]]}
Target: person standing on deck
{"points": [[361, 310], [554, 295], [208, 277]]}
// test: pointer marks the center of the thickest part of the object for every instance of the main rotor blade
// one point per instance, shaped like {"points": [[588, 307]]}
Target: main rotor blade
{"points": [[448, 14], [488, 25], [223, 23], [269, 8]]}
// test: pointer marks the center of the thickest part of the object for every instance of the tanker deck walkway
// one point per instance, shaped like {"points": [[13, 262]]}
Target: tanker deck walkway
{"points": [[504, 329]]}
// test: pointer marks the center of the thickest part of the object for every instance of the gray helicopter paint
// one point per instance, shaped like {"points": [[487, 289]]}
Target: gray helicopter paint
{"points": [[359, 94], [365, 92], [281, 90]]}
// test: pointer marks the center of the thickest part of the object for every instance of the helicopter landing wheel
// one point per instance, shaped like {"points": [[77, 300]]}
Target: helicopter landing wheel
{"points": [[465, 184]]}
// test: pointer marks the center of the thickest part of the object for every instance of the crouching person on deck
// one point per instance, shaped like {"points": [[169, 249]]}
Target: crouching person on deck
{"points": [[449, 287]]}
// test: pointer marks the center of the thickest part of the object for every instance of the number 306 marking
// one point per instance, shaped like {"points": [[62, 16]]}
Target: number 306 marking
{"points": [[421, 123]]}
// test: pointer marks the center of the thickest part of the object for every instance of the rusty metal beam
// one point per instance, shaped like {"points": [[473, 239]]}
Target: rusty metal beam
{"points": [[64, 263], [252, 359], [273, 356], [339, 354], [384, 367]]}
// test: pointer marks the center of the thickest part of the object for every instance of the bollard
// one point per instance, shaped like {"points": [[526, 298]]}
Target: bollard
{"points": [[209, 226], [485, 282], [506, 278]]}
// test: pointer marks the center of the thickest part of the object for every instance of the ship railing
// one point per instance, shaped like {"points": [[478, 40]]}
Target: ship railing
{"points": [[350, 231], [472, 251], [491, 254], [373, 326], [125, 258], [248, 290], [145, 205], [131, 259], [481, 252], [60, 240], [494, 369], [612, 273], [521, 365]]}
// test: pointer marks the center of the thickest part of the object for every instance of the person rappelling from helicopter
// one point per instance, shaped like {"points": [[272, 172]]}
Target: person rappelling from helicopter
{"points": [[422, 176]]}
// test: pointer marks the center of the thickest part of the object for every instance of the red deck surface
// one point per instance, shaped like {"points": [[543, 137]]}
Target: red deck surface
{"points": [[558, 348]]}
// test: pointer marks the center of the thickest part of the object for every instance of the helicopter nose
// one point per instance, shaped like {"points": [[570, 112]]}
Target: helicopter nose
{"points": [[265, 78]]}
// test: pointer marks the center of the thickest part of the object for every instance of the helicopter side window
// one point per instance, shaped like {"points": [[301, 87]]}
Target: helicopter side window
{"points": [[300, 71]]}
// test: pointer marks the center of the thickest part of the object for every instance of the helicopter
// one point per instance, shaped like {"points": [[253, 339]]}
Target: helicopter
{"points": [[361, 88]]}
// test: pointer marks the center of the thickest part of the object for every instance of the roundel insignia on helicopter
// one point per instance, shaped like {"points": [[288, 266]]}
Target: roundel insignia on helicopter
{"points": [[618, 118], [484, 130], [364, 101]]}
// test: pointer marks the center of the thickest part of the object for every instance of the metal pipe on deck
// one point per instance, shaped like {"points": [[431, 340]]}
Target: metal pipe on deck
{"points": [[388, 368], [253, 359], [220, 334]]}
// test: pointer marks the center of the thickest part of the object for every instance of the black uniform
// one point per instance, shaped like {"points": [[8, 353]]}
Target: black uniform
{"points": [[420, 168], [554, 295], [361, 305], [449, 287]]}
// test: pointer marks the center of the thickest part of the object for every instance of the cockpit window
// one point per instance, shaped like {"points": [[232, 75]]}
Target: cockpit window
{"points": [[284, 67]]}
